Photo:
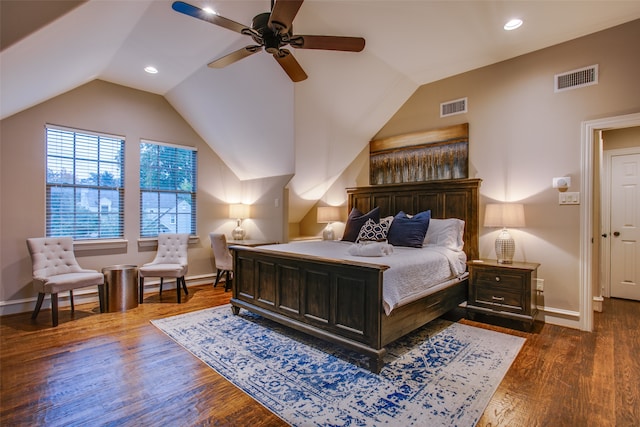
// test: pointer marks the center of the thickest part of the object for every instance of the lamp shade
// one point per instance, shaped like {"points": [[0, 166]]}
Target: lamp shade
{"points": [[504, 215], [328, 214], [239, 211]]}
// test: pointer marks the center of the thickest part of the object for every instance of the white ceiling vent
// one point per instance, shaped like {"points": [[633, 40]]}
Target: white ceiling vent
{"points": [[451, 108], [582, 77]]}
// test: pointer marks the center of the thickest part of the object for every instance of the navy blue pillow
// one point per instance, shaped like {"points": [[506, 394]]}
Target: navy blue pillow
{"points": [[407, 231], [356, 220]]}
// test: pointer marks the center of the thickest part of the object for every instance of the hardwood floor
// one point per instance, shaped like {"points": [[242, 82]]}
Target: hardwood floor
{"points": [[118, 369]]}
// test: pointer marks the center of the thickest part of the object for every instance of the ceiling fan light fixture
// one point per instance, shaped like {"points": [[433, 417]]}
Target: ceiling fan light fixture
{"points": [[512, 24], [151, 69]]}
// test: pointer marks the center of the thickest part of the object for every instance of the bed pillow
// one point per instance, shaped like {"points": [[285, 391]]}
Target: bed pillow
{"points": [[446, 232], [375, 231], [409, 231], [356, 220]]}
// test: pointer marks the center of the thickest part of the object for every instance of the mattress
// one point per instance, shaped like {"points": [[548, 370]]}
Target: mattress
{"points": [[412, 274]]}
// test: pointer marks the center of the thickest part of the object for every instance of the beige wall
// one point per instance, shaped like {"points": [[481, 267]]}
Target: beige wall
{"points": [[522, 134], [105, 107]]}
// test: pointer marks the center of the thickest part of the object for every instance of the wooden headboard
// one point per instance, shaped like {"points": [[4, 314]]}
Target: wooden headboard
{"points": [[446, 199]]}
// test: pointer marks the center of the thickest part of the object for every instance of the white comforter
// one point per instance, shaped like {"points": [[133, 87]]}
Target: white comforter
{"points": [[412, 273]]}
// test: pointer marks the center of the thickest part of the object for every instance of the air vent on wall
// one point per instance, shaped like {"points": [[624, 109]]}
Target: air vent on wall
{"points": [[451, 108], [582, 77]]}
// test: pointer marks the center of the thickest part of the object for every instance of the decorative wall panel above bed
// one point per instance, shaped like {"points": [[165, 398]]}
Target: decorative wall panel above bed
{"points": [[420, 156]]}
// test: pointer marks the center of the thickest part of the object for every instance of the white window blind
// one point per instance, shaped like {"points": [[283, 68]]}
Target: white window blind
{"points": [[85, 178], [167, 189]]}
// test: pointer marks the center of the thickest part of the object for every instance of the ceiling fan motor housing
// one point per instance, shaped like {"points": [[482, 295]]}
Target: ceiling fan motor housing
{"points": [[271, 40]]}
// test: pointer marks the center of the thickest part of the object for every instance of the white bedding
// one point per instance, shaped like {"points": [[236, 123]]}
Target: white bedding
{"points": [[412, 273]]}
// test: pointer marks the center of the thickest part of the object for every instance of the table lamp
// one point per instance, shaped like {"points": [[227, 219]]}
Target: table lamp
{"points": [[238, 212], [328, 214], [504, 215]]}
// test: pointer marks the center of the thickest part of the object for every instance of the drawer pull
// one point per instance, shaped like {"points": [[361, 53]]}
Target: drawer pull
{"points": [[500, 299], [497, 278]]}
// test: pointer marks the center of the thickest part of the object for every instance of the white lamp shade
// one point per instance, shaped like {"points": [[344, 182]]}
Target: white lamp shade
{"points": [[239, 211], [328, 213], [504, 215]]}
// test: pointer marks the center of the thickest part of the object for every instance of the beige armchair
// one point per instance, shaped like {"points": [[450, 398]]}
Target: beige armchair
{"points": [[55, 269], [222, 257], [170, 261]]}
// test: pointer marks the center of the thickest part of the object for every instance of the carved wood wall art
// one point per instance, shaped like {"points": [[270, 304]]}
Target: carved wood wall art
{"points": [[421, 156]]}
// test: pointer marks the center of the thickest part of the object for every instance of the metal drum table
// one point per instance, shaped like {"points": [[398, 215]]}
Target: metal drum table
{"points": [[120, 287]]}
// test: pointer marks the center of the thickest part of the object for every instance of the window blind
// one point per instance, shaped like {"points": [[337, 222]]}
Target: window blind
{"points": [[85, 184], [167, 189]]}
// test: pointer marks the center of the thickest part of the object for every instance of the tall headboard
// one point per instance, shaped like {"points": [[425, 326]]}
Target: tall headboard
{"points": [[446, 199]]}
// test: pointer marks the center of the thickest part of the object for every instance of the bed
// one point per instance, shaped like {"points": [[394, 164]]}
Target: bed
{"points": [[341, 300]]}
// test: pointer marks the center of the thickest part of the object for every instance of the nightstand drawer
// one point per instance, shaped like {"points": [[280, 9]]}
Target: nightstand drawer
{"points": [[500, 299], [500, 279]]}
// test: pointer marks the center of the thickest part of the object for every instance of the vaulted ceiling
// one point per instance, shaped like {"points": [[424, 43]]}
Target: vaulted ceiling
{"points": [[258, 121]]}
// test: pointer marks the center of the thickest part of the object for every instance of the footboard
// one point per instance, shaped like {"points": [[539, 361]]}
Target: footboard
{"points": [[332, 300]]}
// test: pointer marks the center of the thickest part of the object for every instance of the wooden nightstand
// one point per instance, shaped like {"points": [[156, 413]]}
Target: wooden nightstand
{"points": [[504, 290]]}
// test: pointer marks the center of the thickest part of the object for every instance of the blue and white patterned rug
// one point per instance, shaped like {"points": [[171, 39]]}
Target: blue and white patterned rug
{"points": [[444, 374]]}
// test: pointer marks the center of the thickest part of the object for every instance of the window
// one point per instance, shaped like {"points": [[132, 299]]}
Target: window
{"points": [[85, 193], [167, 189]]}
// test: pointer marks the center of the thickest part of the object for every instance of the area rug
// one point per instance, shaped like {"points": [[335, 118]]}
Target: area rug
{"points": [[443, 374]]}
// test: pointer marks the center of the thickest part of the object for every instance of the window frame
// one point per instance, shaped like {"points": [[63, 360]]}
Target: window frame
{"points": [[162, 194], [74, 149]]}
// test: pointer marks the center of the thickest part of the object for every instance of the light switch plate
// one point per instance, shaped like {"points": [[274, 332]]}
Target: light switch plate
{"points": [[569, 198]]}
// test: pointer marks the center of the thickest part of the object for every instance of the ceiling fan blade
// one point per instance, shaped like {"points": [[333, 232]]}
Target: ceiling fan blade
{"points": [[282, 15], [290, 65], [348, 44], [234, 56], [196, 12]]}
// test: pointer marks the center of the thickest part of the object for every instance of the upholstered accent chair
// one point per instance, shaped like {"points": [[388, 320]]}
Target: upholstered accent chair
{"points": [[223, 259], [55, 269], [170, 261]]}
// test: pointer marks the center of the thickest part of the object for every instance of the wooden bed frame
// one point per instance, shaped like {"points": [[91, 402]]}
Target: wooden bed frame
{"points": [[340, 301]]}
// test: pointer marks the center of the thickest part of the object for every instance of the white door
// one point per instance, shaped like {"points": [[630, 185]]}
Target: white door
{"points": [[625, 226]]}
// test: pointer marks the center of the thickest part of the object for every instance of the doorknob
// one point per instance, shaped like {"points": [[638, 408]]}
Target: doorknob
{"points": [[616, 233]]}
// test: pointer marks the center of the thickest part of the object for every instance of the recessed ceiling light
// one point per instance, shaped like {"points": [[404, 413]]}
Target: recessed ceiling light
{"points": [[513, 24], [151, 70], [209, 10]]}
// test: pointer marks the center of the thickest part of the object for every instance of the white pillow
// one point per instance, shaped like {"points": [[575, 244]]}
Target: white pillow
{"points": [[445, 232]]}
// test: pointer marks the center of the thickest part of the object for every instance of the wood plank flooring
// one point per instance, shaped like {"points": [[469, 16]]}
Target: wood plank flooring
{"points": [[118, 369]]}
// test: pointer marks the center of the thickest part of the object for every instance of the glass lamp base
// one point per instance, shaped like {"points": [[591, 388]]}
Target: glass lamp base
{"points": [[505, 247], [238, 233], [327, 233]]}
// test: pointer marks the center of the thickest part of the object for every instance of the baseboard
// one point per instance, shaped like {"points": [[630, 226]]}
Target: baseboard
{"points": [[559, 317], [88, 295]]}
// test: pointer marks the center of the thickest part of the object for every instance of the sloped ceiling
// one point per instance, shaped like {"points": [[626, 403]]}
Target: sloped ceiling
{"points": [[258, 121]]}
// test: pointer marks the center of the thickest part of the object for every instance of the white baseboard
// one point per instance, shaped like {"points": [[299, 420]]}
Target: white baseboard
{"points": [[560, 317], [89, 295]]}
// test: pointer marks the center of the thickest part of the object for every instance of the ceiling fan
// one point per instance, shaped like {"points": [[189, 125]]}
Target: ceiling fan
{"points": [[271, 31]]}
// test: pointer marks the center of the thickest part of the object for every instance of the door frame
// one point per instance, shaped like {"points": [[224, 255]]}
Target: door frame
{"points": [[589, 136], [606, 212]]}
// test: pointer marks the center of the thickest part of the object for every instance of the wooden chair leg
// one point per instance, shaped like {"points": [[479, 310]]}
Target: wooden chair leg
{"points": [[140, 290], [36, 310], [101, 298], [54, 309], [184, 286], [227, 283], [73, 308], [161, 282], [218, 275], [178, 290]]}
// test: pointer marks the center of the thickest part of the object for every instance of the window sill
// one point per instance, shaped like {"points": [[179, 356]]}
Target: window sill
{"points": [[90, 245], [148, 242]]}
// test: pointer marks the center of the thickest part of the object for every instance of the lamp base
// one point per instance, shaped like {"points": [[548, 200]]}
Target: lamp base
{"points": [[505, 247], [238, 233], [327, 233]]}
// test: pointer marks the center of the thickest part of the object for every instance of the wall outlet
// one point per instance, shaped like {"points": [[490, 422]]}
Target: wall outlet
{"points": [[569, 198], [539, 285]]}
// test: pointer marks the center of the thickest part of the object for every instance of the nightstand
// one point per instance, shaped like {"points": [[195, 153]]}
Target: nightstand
{"points": [[503, 290]]}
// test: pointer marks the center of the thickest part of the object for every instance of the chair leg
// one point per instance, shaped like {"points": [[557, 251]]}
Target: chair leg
{"points": [[101, 298], [218, 275], [36, 310], [73, 308], [227, 283], [54, 309], [161, 282], [178, 290], [184, 286], [140, 290]]}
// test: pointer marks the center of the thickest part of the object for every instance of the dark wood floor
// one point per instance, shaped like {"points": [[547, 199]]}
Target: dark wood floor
{"points": [[118, 369]]}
